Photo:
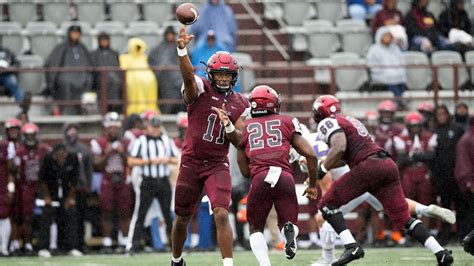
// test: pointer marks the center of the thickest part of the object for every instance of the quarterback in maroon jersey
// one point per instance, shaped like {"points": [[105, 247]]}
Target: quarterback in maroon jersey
{"points": [[30, 154], [371, 170], [264, 155], [204, 155]]}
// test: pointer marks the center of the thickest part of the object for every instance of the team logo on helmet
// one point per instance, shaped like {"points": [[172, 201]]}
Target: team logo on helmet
{"points": [[264, 100]]}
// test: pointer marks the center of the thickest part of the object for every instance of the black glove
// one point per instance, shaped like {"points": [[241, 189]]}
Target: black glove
{"points": [[468, 243]]}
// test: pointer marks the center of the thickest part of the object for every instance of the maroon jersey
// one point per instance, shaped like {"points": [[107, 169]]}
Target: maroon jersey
{"points": [[7, 153], [116, 162], [385, 132], [267, 141], [30, 161], [205, 136], [359, 142]]}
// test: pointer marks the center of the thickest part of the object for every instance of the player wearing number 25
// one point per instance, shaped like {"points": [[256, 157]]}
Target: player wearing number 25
{"points": [[264, 155], [204, 163]]}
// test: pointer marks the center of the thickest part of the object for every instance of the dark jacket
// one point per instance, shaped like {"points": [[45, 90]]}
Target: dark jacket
{"points": [[59, 179], [7, 59], [421, 22], [444, 160], [454, 18], [107, 57]]}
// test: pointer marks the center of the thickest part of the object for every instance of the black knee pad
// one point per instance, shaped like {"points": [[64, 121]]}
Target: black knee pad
{"points": [[327, 213], [411, 224]]}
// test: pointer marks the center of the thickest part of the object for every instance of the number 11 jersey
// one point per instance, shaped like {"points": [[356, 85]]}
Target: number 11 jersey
{"points": [[205, 137]]}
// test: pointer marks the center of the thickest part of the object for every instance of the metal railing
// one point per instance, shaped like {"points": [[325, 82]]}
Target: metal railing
{"points": [[287, 90]]}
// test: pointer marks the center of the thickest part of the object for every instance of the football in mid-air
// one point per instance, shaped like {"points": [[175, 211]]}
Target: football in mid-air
{"points": [[187, 14]]}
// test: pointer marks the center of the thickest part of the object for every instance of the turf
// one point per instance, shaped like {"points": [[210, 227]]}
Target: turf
{"points": [[384, 256]]}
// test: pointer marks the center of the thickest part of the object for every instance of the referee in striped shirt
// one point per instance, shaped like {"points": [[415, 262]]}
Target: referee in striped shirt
{"points": [[152, 153]]}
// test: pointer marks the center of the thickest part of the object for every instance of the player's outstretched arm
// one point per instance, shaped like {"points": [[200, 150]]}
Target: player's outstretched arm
{"points": [[303, 147], [187, 72], [243, 162]]}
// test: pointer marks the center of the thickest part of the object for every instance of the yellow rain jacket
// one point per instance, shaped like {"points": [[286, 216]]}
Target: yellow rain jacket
{"points": [[142, 86]]}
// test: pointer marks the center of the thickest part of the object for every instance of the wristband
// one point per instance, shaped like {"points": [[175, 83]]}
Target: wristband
{"points": [[229, 128], [182, 52], [321, 172], [323, 168], [11, 187]]}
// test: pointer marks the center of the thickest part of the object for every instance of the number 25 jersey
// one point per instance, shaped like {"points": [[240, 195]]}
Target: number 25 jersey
{"points": [[205, 137], [267, 141], [359, 144]]}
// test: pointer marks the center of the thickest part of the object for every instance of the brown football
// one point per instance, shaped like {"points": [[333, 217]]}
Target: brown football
{"points": [[187, 13]]}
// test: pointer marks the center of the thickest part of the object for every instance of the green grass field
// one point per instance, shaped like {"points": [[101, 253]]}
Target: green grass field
{"points": [[385, 256]]}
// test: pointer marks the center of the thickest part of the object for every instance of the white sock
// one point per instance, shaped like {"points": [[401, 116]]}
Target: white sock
{"points": [[259, 248], [176, 260], [28, 246], [347, 237], [420, 209], [5, 230], [53, 236], [107, 241], [228, 262], [14, 245], [194, 240], [328, 239], [313, 237], [122, 240], [433, 245]]}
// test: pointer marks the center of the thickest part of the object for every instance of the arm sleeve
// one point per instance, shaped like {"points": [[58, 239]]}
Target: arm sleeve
{"points": [[199, 83], [174, 149], [95, 147], [44, 174], [326, 128], [11, 151]]}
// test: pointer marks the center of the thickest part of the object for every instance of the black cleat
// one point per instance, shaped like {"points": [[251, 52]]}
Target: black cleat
{"points": [[353, 252], [290, 240], [180, 263], [468, 243], [444, 257]]}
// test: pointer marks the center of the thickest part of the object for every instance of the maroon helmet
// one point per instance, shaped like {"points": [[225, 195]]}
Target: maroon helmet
{"points": [[263, 101], [325, 106], [222, 62]]}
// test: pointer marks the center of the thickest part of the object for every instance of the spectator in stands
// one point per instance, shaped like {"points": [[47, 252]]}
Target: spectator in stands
{"points": [[169, 81], [105, 56], [203, 51], [83, 187], [216, 15], [58, 177], [8, 79], [363, 9], [422, 29], [383, 53], [142, 86], [443, 169], [109, 153], [464, 171], [454, 24], [391, 17], [69, 85]]}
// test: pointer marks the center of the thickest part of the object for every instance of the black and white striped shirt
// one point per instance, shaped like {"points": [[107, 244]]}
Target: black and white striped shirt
{"points": [[146, 147]]}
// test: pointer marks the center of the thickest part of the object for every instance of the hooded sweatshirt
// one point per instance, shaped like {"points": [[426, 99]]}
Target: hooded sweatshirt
{"points": [[142, 87], [386, 14], [380, 54]]}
